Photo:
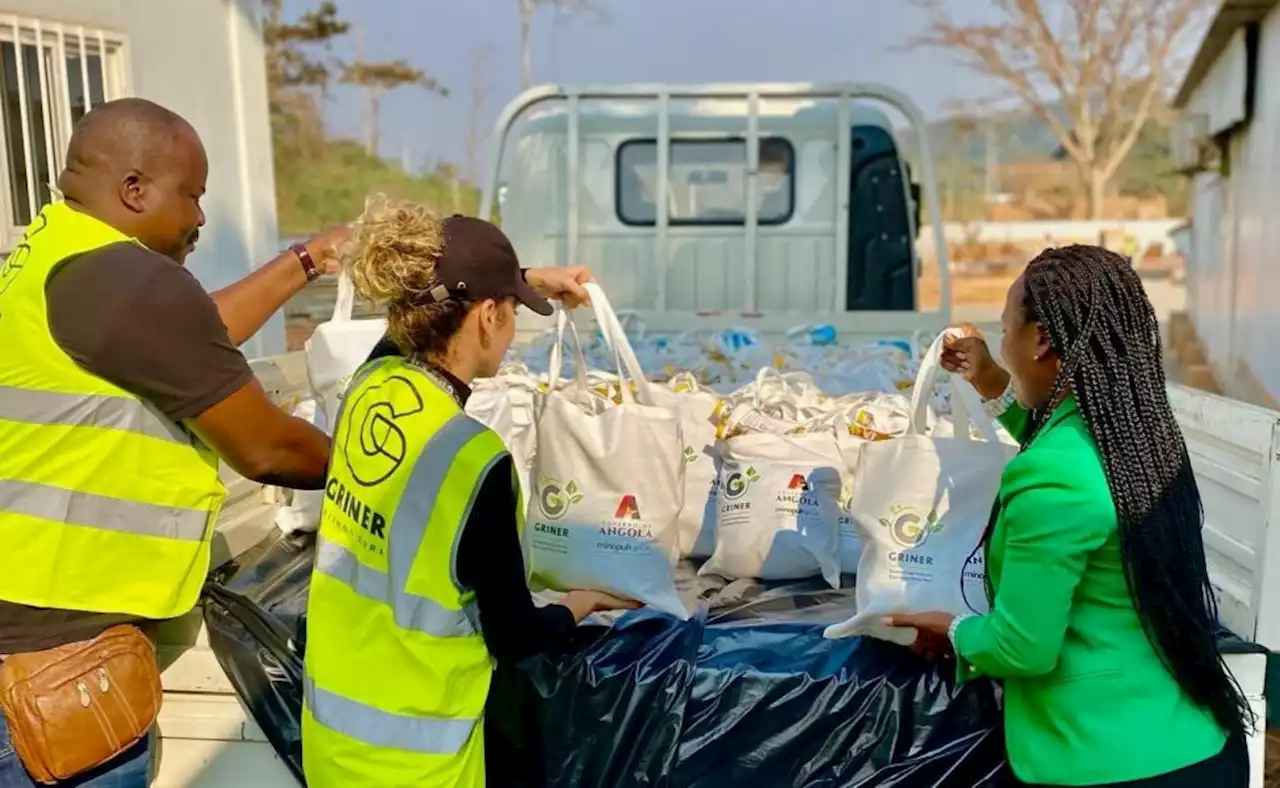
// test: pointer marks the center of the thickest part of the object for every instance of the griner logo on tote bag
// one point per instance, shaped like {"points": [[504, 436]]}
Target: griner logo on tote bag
{"points": [[908, 528], [554, 500], [738, 482]]}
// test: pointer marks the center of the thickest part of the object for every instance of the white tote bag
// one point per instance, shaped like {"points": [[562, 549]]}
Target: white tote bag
{"points": [[777, 508], [302, 514], [338, 348], [610, 485], [505, 404], [695, 408], [921, 504]]}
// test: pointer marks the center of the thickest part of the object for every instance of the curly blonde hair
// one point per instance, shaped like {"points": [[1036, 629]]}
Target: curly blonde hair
{"points": [[392, 261]]}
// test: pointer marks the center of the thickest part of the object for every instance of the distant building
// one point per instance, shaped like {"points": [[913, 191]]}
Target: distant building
{"points": [[201, 58], [1226, 142]]}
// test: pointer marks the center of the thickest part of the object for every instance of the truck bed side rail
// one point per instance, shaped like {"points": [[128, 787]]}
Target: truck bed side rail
{"points": [[1235, 450], [752, 94]]}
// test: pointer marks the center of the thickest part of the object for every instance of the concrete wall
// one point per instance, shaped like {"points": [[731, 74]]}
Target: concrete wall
{"points": [[204, 60], [1147, 232], [1233, 278]]}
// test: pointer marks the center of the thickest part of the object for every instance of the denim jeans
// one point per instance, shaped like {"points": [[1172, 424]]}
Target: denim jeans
{"points": [[130, 769]]}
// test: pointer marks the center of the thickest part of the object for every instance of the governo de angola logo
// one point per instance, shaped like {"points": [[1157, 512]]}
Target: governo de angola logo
{"points": [[737, 483], [554, 498], [908, 528], [628, 509]]}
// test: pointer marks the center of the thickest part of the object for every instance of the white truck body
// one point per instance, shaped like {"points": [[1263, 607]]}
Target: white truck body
{"points": [[560, 206]]}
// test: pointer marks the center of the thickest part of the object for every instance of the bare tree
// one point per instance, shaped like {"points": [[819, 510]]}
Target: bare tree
{"points": [[375, 80], [527, 9], [475, 114], [1093, 71]]}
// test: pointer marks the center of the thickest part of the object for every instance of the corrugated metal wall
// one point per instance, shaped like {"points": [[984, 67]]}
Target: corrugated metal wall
{"points": [[1234, 278]]}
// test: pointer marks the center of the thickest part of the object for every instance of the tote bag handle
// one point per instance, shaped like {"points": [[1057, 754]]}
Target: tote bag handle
{"points": [[966, 404]]}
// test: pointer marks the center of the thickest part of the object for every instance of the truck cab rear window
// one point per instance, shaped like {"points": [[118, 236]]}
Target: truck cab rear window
{"points": [[706, 183]]}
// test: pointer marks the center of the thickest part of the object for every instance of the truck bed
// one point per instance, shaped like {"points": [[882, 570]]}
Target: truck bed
{"points": [[208, 740]]}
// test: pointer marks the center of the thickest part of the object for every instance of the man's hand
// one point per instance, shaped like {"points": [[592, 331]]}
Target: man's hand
{"points": [[326, 248], [931, 632], [561, 284]]}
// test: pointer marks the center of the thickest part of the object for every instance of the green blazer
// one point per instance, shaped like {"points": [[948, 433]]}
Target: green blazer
{"points": [[1087, 699]]}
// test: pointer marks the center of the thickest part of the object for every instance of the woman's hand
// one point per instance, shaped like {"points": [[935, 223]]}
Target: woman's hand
{"points": [[584, 602], [932, 629], [561, 284], [970, 357]]}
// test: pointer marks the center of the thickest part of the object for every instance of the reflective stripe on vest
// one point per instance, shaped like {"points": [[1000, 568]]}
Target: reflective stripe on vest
{"points": [[94, 482], [433, 735], [101, 512], [87, 410], [408, 527]]}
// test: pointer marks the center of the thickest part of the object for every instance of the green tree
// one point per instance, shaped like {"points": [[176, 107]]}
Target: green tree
{"points": [[320, 180]]}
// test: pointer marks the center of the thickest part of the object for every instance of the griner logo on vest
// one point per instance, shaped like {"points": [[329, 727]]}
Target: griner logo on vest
{"points": [[14, 263], [373, 445], [372, 522]]}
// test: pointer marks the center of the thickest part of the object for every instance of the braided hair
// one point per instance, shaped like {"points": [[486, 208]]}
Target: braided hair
{"points": [[1091, 305]]}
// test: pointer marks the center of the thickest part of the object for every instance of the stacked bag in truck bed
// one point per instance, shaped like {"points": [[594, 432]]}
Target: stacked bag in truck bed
{"points": [[790, 476]]}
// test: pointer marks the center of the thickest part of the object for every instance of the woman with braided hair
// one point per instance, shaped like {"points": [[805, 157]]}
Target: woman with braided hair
{"points": [[1102, 624]]}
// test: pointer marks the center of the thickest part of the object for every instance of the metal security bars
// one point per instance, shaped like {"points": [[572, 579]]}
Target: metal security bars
{"points": [[51, 75]]}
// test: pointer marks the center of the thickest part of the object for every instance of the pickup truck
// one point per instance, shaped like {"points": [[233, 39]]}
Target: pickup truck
{"points": [[782, 204]]}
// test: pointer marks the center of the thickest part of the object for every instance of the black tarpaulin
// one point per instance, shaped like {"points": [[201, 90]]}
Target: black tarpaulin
{"points": [[747, 693]]}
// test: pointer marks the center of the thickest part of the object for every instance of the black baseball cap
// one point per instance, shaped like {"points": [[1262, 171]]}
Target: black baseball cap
{"points": [[478, 262]]}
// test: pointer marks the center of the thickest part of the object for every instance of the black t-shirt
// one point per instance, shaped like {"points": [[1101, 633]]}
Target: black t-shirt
{"points": [[490, 562], [141, 321]]}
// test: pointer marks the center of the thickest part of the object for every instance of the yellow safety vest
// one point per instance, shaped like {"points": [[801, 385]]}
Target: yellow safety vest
{"points": [[105, 504], [397, 672]]}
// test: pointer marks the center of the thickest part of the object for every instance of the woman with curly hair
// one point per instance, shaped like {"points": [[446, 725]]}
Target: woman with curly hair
{"points": [[1103, 623], [419, 582]]}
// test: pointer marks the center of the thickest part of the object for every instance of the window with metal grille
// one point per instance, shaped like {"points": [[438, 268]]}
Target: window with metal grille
{"points": [[51, 74]]}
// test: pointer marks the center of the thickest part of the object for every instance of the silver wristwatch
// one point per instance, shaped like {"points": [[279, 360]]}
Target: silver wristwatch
{"points": [[996, 407]]}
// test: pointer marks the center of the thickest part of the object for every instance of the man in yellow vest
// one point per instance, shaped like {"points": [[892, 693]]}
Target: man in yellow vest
{"points": [[121, 386]]}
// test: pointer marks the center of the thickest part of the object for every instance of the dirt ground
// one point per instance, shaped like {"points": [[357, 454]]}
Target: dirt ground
{"points": [[967, 291], [1272, 776]]}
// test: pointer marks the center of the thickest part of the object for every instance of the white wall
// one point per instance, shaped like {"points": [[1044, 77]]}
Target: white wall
{"points": [[1235, 276], [1147, 232], [202, 59]]}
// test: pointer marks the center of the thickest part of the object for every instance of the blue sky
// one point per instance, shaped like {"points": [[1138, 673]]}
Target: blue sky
{"points": [[641, 41]]}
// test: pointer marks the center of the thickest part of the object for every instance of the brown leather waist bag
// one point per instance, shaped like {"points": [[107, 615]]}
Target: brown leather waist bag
{"points": [[79, 705]]}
